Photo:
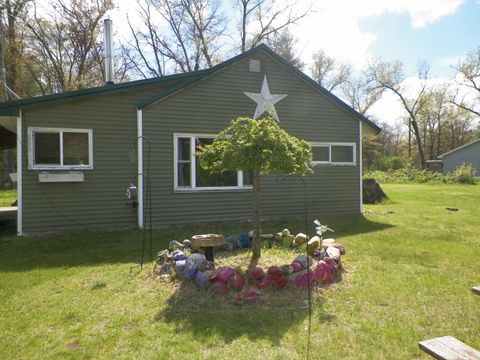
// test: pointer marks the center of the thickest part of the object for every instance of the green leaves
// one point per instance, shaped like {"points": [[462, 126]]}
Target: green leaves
{"points": [[248, 144]]}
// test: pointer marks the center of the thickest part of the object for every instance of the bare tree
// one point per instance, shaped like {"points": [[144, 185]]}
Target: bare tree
{"points": [[260, 19], [12, 12], [327, 72], [63, 48], [390, 76], [360, 93], [188, 42], [283, 43], [468, 76]]}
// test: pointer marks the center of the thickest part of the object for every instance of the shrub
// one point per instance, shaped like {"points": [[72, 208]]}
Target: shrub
{"points": [[464, 174], [386, 163]]}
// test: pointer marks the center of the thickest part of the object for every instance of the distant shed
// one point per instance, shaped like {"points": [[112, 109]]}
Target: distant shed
{"points": [[468, 154]]}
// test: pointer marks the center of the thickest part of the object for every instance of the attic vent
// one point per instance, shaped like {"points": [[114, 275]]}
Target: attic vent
{"points": [[254, 65]]}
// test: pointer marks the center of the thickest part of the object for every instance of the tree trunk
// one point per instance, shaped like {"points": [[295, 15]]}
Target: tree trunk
{"points": [[421, 153], [256, 217]]}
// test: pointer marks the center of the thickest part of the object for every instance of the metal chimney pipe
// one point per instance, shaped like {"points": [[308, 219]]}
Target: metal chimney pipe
{"points": [[107, 27]]}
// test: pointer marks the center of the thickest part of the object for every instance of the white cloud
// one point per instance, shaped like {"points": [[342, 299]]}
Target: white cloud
{"points": [[334, 25], [426, 12]]}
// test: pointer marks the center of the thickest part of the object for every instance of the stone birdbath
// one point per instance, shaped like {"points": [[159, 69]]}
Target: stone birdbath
{"points": [[208, 241]]}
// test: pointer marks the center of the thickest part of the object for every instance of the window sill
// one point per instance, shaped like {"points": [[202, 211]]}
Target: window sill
{"points": [[333, 164], [60, 168], [211, 190]]}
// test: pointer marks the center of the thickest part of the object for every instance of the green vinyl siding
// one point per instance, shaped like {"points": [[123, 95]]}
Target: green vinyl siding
{"points": [[208, 106], [203, 107], [99, 201]]}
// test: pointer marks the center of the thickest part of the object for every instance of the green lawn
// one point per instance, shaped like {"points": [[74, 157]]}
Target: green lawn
{"points": [[410, 265], [7, 197]]}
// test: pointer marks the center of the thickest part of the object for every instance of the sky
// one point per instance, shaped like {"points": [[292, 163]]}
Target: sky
{"points": [[440, 32]]}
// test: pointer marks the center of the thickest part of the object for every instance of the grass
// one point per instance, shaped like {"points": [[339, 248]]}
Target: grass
{"points": [[410, 265], [7, 197]]}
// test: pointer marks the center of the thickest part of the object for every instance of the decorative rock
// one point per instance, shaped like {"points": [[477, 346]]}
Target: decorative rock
{"points": [[236, 281], [175, 245], [197, 259], [179, 255], [180, 268], [313, 244], [275, 272], [296, 267], [248, 295], [201, 278], [328, 242], [287, 240], [304, 261], [191, 270], [220, 287], [319, 254], [228, 246], [333, 253], [244, 240], [323, 273], [300, 239], [341, 248], [332, 264], [255, 273], [287, 269], [187, 243]]}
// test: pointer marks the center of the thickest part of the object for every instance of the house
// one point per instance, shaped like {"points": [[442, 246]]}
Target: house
{"points": [[78, 151], [468, 154]]}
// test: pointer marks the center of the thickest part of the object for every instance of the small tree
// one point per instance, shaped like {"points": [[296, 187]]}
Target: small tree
{"points": [[259, 147]]}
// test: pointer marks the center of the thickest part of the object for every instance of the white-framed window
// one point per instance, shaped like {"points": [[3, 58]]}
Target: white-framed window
{"points": [[188, 174], [57, 149], [334, 153]]}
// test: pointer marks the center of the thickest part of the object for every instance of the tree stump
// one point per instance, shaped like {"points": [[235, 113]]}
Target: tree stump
{"points": [[372, 192]]}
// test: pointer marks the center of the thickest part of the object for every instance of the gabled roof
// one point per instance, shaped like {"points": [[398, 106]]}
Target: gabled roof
{"points": [[12, 107], [458, 148], [173, 84]]}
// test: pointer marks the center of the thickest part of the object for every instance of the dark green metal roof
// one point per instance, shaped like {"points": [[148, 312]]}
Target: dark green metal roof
{"points": [[177, 83], [12, 107]]}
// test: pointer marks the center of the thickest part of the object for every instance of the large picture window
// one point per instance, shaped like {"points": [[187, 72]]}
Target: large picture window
{"points": [[190, 176], [334, 153], [60, 148]]}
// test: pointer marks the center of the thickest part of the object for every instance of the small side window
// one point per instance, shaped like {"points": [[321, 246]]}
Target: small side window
{"points": [[60, 149], [333, 154], [342, 154], [320, 154]]}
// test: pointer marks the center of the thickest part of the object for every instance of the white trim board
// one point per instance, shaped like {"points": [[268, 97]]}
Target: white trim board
{"points": [[140, 168], [48, 177], [360, 160], [19, 175]]}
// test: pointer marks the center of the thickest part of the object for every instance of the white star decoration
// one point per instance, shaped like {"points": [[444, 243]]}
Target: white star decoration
{"points": [[265, 101]]}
